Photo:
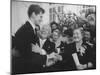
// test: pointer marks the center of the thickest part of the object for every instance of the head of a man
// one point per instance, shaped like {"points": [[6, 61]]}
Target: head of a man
{"points": [[35, 13], [45, 32]]}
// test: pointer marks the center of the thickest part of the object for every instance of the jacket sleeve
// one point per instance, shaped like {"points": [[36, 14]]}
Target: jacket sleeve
{"points": [[38, 60]]}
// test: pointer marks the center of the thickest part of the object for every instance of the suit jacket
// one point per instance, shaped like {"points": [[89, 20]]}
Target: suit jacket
{"points": [[67, 63], [28, 61]]}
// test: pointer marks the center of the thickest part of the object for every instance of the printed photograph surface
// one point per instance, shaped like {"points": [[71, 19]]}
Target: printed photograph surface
{"points": [[52, 37]]}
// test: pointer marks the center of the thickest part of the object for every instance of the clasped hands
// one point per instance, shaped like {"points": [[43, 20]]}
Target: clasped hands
{"points": [[37, 49], [51, 58]]}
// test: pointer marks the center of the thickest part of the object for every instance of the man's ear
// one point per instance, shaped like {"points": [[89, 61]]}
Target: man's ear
{"points": [[33, 15]]}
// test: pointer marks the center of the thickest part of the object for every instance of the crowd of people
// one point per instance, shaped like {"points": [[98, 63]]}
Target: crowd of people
{"points": [[64, 46]]}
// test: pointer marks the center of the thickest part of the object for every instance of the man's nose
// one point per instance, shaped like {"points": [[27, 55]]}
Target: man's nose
{"points": [[40, 20]]}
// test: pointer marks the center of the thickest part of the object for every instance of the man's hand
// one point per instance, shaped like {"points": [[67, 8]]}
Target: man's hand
{"points": [[58, 57], [36, 49], [50, 60], [53, 58]]}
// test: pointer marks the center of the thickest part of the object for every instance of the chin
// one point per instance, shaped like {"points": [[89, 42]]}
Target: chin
{"points": [[76, 40], [44, 37]]}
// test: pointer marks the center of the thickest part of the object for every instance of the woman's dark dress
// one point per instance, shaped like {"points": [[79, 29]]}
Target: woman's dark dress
{"points": [[88, 56]]}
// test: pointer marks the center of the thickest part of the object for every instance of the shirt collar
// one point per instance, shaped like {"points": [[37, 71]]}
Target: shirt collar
{"points": [[33, 25], [43, 40]]}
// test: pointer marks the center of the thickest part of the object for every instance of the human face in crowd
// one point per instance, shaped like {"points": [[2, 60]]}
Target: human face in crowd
{"points": [[87, 36], [37, 18], [54, 26], [55, 36], [91, 19], [44, 32], [64, 28], [77, 35]]}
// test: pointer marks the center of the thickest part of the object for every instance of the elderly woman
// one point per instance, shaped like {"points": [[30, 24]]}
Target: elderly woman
{"points": [[81, 52]]}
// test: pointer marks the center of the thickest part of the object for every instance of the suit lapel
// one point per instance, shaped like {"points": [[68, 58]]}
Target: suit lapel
{"points": [[44, 44], [38, 42], [34, 36]]}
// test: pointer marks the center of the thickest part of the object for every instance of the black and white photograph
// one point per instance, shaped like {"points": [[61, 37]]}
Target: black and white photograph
{"points": [[52, 37]]}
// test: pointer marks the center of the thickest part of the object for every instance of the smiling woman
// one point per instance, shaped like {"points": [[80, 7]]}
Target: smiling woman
{"points": [[78, 34], [82, 52]]}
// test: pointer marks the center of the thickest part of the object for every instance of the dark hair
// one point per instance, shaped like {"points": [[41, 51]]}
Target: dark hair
{"points": [[54, 23], [34, 8], [68, 32], [80, 29], [56, 29], [87, 29], [90, 11]]}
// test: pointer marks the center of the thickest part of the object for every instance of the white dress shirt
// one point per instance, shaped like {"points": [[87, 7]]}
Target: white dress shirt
{"points": [[42, 41]]}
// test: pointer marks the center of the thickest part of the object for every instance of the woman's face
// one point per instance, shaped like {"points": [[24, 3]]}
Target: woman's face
{"points": [[77, 35], [87, 36], [54, 26], [55, 36]]}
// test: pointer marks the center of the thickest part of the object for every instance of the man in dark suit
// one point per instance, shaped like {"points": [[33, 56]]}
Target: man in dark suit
{"points": [[27, 60]]}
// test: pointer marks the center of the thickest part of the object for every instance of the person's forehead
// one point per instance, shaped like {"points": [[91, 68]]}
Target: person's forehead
{"points": [[64, 27], [54, 25], [87, 32], [40, 14], [77, 30], [55, 33]]}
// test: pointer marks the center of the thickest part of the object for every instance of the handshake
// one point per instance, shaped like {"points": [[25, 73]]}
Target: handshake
{"points": [[53, 58]]}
